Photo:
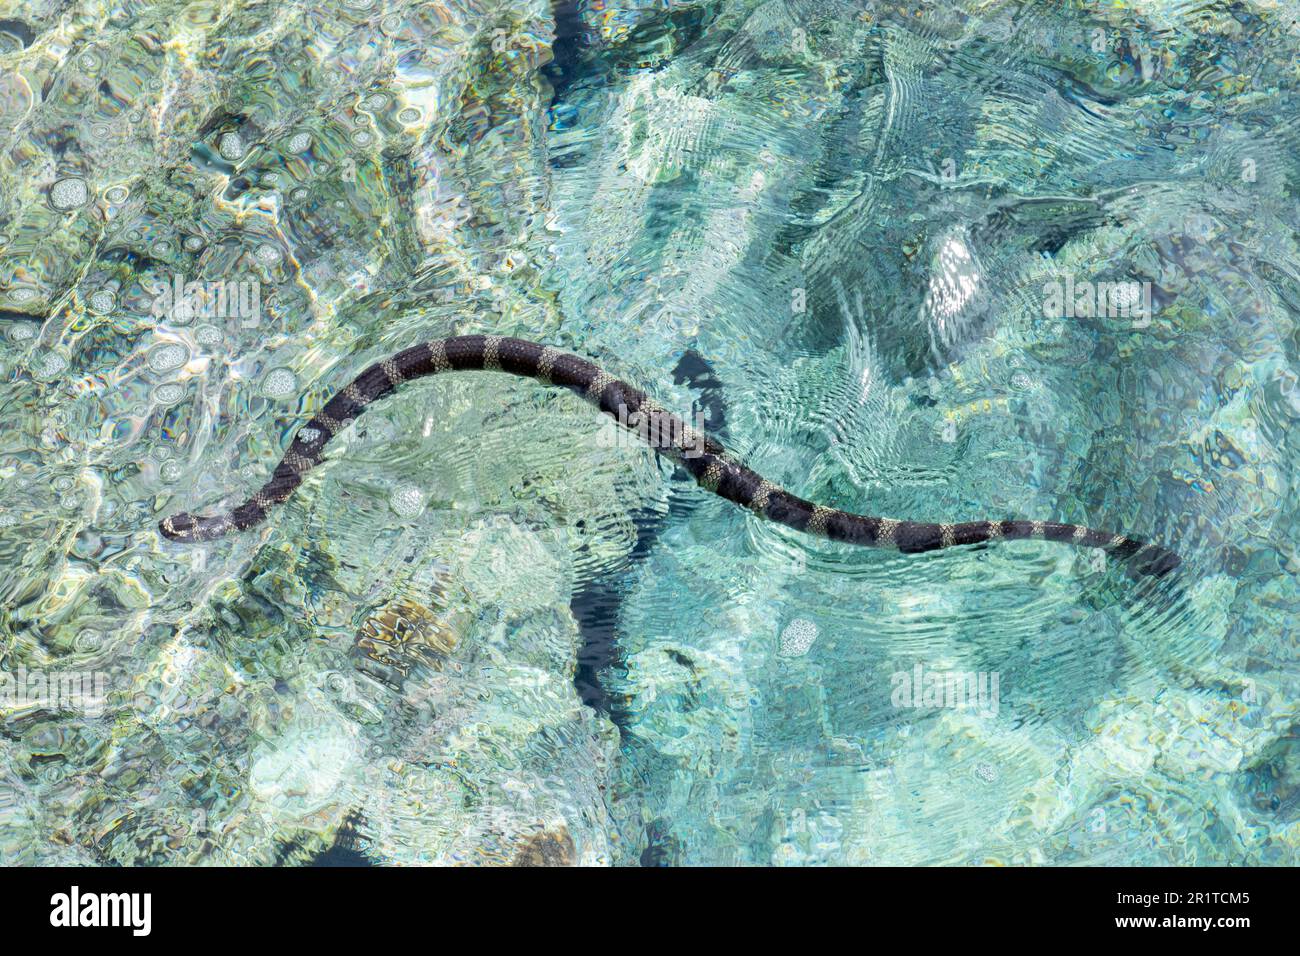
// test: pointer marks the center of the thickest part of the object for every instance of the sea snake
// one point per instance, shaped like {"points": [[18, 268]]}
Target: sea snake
{"points": [[703, 457]]}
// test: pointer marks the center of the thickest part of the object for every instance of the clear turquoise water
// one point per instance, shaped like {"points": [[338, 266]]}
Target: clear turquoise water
{"points": [[488, 632]]}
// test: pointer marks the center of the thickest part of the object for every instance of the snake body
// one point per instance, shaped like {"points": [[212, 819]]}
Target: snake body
{"points": [[703, 457]]}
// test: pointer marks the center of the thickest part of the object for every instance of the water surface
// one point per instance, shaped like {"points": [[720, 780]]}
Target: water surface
{"points": [[488, 631]]}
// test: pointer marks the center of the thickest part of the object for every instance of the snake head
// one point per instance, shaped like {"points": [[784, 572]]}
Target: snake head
{"points": [[179, 527]]}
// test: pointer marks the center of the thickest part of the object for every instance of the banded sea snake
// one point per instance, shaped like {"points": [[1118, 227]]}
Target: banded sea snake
{"points": [[705, 459]]}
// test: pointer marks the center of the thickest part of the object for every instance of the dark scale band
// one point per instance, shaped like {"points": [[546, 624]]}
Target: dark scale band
{"points": [[701, 455]]}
